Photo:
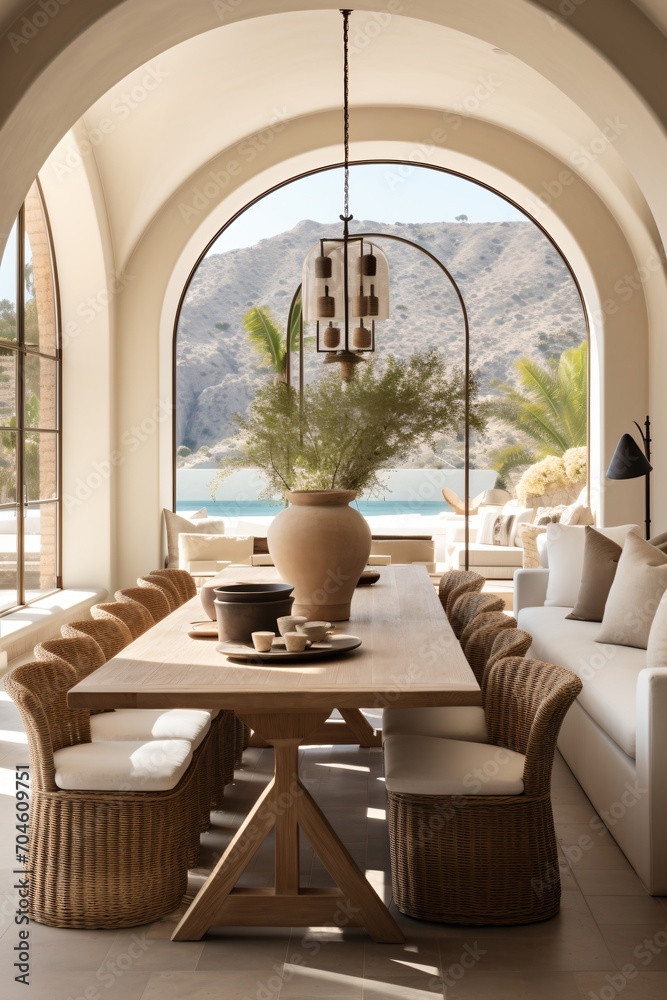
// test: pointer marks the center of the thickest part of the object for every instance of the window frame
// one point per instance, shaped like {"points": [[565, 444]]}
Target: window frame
{"points": [[23, 350]]}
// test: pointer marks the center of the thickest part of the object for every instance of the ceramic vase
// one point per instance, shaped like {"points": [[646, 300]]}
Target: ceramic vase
{"points": [[320, 545]]}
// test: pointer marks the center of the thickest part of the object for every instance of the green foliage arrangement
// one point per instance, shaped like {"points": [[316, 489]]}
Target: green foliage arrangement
{"points": [[349, 430], [548, 409]]}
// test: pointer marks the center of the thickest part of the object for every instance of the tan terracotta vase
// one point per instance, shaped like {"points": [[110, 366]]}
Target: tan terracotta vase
{"points": [[321, 545]]}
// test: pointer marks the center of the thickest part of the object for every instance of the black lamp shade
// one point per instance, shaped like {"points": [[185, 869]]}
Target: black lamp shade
{"points": [[628, 461]]}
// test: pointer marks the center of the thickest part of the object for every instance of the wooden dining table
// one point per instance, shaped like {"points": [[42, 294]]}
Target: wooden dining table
{"points": [[409, 656]]}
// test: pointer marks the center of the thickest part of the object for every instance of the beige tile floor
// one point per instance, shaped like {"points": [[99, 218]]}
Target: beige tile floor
{"points": [[609, 940]]}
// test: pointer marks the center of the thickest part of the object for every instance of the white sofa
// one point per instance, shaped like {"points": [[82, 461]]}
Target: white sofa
{"points": [[495, 562], [614, 738]]}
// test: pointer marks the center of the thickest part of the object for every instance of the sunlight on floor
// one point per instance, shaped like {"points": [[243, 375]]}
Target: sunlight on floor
{"points": [[376, 813], [343, 767], [7, 781], [12, 736], [336, 984]]}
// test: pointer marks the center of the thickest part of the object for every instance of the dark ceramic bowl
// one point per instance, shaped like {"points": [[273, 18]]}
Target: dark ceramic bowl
{"points": [[253, 593], [238, 620]]}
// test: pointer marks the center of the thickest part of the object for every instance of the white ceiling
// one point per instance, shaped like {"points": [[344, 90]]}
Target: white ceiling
{"points": [[212, 91]]}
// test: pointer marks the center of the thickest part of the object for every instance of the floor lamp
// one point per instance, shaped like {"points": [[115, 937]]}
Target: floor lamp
{"points": [[630, 462]]}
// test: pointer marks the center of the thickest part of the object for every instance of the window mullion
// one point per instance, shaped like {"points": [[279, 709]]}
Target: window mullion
{"points": [[20, 407]]}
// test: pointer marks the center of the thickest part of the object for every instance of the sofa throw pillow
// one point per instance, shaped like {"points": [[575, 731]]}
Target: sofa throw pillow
{"points": [[486, 528], [640, 582], [656, 651], [529, 535], [601, 556], [660, 541], [565, 558], [495, 528], [522, 516], [549, 515], [176, 523]]}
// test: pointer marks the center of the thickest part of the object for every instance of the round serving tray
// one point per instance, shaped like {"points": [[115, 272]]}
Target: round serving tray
{"points": [[334, 646]]}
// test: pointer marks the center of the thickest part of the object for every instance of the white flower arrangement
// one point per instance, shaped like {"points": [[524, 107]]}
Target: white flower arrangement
{"points": [[551, 474]]}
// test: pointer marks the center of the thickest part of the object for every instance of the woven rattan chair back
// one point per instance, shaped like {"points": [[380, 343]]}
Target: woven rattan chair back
{"points": [[478, 637], [81, 652], [39, 690], [153, 599], [168, 587], [466, 608], [508, 642], [130, 613], [526, 702], [109, 634], [182, 580], [455, 582]]}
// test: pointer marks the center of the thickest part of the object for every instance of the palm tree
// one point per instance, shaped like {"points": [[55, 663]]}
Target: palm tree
{"points": [[549, 409], [269, 340]]}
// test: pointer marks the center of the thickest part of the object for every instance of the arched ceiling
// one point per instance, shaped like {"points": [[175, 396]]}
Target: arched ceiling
{"points": [[156, 127]]}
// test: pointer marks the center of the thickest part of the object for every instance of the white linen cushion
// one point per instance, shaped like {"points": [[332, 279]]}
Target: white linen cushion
{"points": [[120, 766], [488, 517], [656, 651], [639, 583], [609, 673], [151, 724], [453, 722], [191, 522], [565, 553], [425, 765], [200, 546]]}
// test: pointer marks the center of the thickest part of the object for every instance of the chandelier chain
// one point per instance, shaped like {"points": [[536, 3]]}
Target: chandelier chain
{"points": [[346, 114]]}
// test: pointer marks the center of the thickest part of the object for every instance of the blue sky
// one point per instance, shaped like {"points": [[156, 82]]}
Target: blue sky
{"points": [[384, 193]]}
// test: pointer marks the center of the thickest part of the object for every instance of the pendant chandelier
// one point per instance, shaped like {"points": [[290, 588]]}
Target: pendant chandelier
{"points": [[345, 280]]}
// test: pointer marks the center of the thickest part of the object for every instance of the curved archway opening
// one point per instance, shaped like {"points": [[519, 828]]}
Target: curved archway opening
{"points": [[526, 311]]}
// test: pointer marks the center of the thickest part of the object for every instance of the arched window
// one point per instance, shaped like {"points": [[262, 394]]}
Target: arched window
{"points": [[29, 410], [527, 343]]}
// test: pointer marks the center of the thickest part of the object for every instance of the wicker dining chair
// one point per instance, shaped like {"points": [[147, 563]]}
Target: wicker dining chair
{"points": [[182, 580], [111, 636], [509, 642], [165, 584], [98, 859], [458, 722], [477, 638], [137, 618], [466, 857], [455, 582], [167, 588], [153, 599], [224, 736], [85, 655], [466, 608]]}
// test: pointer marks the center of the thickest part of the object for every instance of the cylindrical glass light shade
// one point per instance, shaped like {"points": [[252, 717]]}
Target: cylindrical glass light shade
{"points": [[371, 288]]}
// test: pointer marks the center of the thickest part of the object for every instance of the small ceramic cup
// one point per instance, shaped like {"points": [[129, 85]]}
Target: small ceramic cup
{"points": [[315, 631], [289, 623], [295, 642], [262, 641]]}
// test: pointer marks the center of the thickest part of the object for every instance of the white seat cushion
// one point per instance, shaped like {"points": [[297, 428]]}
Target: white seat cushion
{"points": [[151, 724], [122, 766], [452, 722], [425, 765], [609, 673]]}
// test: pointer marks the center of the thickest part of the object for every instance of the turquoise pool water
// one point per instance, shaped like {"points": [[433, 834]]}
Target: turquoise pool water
{"points": [[260, 508]]}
